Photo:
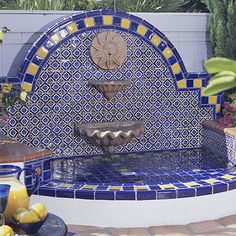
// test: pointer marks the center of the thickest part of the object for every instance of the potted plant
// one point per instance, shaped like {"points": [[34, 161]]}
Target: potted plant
{"points": [[10, 94]]}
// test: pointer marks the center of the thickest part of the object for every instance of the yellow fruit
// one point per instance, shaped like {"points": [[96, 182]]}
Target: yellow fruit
{"points": [[20, 210], [6, 230], [1, 36], [28, 216], [40, 210]]}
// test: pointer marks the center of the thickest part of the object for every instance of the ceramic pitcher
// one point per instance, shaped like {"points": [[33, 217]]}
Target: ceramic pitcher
{"points": [[18, 195]]}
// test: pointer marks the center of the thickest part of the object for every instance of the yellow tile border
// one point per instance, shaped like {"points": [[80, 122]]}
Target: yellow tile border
{"points": [[89, 22], [212, 181], [89, 186], [27, 87], [72, 28], [125, 23], [167, 53], [181, 84], [141, 29], [56, 38], [42, 52], [141, 187], [32, 69], [107, 20], [156, 40], [167, 186], [191, 184]]}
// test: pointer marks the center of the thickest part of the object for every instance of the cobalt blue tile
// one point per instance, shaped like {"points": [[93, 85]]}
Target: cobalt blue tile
{"points": [[84, 194], [79, 16], [169, 44], [41, 40], [178, 57], [148, 25], [179, 76], [125, 195], [204, 100], [46, 164], [128, 188], [166, 194], [49, 44], [159, 33], [108, 12], [162, 46], [204, 83], [192, 76], [28, 78], [232, 185], [135, 19], [148, 34], [98, 20], [172, 60], [93, 13], [218, 188], [203, 75], [24, 66], [108, 27], [154, 187], [116, 21], [65, 193], [146, 195], [28, 181], [204, 190], [47, 191], [13, 80], [104, 195], [133, 26], [37, 60], [52, 29], [122, 14], [80, 24], [190, 83], [188, 192], [65, 21], [182, 66], [102, 187], [31, 53], [47, 175]]}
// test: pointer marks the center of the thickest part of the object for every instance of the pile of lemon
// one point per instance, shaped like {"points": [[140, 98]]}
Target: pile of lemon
{"points": [[37, 212]]}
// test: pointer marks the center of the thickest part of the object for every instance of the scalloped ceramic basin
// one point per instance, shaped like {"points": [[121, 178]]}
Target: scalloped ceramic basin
{"points": [[109, 135], [109, 88]]}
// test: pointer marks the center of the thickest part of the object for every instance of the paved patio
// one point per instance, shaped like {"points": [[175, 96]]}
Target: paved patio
{"points": [[225, 226]]}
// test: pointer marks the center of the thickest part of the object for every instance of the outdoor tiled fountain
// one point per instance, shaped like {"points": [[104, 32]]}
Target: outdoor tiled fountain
{"points": [[137, 101]]}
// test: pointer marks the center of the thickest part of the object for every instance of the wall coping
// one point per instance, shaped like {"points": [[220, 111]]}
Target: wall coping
{"points": [[213, 125]]}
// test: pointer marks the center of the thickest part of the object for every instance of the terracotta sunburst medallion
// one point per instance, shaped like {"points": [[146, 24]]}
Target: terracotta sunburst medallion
{"points": [[108, 50]]}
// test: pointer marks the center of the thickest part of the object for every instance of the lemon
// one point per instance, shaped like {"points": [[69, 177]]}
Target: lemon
{"points": [[40, 210], [6, 230], [1, 36], [28, 216], [20, 210]]}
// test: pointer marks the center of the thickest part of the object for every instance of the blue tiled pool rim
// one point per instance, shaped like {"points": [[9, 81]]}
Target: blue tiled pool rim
{"points": [[211, 181]]}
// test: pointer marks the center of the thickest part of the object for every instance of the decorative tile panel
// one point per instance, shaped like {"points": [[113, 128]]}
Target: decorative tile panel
{"points": [[58, 69]]}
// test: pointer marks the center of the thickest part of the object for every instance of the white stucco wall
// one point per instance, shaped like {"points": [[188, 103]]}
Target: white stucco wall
{"points": [[188, 32]]}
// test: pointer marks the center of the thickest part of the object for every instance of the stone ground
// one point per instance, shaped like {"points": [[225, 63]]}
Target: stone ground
{"points": [[225, 226]]}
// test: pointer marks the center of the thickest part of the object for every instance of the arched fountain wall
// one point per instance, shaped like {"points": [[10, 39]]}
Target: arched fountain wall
{"points": [[58, 69]]}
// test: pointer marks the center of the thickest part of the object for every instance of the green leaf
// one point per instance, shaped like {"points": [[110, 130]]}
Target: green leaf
{"points": [[222, 74], [218, 64], [220, 84]]}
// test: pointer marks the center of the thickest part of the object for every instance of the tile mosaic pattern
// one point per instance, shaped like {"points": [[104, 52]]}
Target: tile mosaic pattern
{"points": [[139, 176], [220, 143], [58, 69]]}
